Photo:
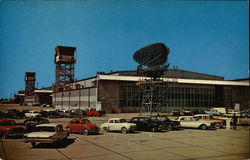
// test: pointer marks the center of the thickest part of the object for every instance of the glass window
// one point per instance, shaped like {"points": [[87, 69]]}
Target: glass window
{"points": [[134, 120]]}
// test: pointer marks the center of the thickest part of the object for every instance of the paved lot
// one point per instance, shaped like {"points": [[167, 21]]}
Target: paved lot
{"points": [[219, 144], [181, 144]]}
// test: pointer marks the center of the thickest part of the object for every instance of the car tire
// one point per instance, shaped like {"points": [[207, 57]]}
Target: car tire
{"points": [[124, 130], [169, 127], [3, 135], [217, 125], [105, 129], [203, 127], [33, 144], [85, 132]]}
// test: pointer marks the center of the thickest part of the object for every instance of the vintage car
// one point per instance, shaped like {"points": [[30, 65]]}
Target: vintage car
{"points": [[219, 123], [194, 122], [9, 128], [64, 113], [146, 124], [46, 133], [30, 123], [13, 114], [164, 120], [77, 113], [118, 124], [32, 113], [83, 126], [93, 112]]}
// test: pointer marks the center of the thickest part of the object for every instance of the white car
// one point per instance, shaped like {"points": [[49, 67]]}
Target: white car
{"points": [[46, 133], [118, 124], [32, 114], [193, 122]]}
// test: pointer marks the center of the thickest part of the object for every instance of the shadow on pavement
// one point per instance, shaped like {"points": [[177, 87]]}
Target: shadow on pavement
{"points": [[61, 144]]}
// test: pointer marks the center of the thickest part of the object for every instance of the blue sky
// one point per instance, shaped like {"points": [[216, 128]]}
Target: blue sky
{"points": [[206, 36]]}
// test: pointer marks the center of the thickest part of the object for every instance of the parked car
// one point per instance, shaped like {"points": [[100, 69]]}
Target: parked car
{"points": [[216, 111], [118, 124], [245, 114], [175, 112], [77, 113], [46, 133], [30, 123], [193, 122], [50, 114], [14, 114], [94, 112], [1, 115], [164, 120], [8, 128], [219, 123], [32, 113], [83, 126], [146, 124], [64, 113], [198, 111]]}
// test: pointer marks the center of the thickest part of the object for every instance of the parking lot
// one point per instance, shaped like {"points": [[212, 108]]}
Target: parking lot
{"points": [[180, 144]]}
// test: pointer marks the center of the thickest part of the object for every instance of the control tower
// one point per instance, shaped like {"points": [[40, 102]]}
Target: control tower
{"points": [[64, 60], [30, 80]]}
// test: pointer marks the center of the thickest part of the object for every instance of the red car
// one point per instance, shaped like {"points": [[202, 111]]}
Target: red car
{"points": [[82, 125], [10, 128], [94, 112]]}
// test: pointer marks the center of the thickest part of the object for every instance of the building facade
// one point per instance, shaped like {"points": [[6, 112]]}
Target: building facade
{"points": [[120, 91]]}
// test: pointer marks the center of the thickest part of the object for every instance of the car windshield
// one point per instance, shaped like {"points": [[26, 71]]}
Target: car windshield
{"points": [[122, 120], [45, 129], [162, 118], [7, 123]]}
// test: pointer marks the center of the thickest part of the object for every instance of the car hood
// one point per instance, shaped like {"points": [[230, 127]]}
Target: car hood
{"points": [[14, 126], [40, 134]]}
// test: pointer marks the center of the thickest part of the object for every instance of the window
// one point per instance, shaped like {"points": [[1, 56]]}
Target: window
{"points": [[134, 120], [117, 121], [111, 121]]}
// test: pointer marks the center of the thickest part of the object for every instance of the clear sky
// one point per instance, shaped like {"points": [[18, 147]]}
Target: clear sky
{"points": [[206, 36]]}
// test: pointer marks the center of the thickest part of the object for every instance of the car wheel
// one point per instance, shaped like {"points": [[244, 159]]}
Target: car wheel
{"points": [[124, 130], [3, 135], [217, 125], [33, 144], [169, 127], [203, 127], [153, 129], [85, 132], [105, 129]]}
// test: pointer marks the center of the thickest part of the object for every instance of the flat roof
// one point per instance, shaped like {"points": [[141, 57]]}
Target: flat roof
{"points": [[43, 91], [175, 80]]}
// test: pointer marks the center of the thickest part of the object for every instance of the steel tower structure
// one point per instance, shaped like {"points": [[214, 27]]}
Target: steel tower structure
{"points": [[30, 80], [152, 61], [64, 60]]}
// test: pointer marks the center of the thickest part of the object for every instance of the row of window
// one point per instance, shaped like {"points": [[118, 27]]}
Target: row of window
{"points": [[175, 96]]}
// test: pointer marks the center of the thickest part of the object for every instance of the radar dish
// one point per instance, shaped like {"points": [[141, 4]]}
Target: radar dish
{"points": [[153, 55]]}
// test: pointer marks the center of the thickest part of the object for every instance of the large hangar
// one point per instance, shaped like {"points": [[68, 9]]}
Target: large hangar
{"points": [[119, 92]]}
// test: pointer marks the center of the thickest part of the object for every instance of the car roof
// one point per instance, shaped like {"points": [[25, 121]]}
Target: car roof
{"points": [[186, 116], [141, 117], [116, 118], [48, 125], [2, 120], [202, 115]]}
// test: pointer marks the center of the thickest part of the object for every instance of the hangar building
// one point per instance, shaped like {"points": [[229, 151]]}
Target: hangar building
{"points": [[119, 91]]}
